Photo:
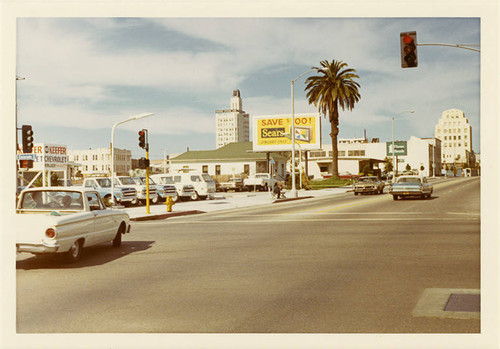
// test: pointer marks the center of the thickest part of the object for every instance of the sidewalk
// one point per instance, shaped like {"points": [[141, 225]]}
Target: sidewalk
{"points": [[222, 201]]}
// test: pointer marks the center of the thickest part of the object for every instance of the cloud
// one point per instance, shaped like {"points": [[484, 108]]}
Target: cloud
{"points": [[73, 66]]}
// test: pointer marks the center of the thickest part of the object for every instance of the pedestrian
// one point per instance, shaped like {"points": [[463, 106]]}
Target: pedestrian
{"points": [[277, 190]]}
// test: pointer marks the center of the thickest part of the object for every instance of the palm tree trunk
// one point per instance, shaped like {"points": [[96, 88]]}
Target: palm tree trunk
{"points": [[334, 124]]}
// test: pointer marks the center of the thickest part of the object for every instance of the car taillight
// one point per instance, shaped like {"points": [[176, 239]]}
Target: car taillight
{"points": [[50, 233]]}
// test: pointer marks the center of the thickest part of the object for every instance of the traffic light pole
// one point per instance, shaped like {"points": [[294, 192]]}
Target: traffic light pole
{"points": [[147, 180], [465, 47]]}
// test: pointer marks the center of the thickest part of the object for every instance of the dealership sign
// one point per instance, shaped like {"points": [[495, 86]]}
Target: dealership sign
{"points": [[49, 156], [400, 148], [273, 132]]}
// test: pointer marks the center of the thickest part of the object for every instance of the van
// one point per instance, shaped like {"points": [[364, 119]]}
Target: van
{"points": [[184, 191], [204, 186]]}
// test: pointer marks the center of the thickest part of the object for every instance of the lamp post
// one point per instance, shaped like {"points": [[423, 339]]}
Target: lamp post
{"points": [[135, 117], [394, 165], [294, 189]]}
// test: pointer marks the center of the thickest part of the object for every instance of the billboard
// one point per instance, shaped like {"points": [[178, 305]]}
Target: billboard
{"points": [[49, 156], [400, 148], [273, 132]]}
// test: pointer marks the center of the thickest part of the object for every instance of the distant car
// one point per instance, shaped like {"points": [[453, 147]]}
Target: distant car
{"points": [[411, 186], [235, 184], [348, 175], [368, 184], [62, 221]]}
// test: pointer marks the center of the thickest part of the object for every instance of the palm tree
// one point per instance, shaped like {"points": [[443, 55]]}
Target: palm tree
{"points": [[333, 88]]}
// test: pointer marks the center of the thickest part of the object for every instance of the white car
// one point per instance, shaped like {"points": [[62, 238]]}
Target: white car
{"points": [[64, 220]]}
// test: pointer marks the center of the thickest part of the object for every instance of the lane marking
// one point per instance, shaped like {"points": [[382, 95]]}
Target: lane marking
{"points": [[439, 219]]}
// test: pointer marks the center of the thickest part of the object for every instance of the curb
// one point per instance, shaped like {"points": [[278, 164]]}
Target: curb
{"points": [[166, 215], [277, 201]]}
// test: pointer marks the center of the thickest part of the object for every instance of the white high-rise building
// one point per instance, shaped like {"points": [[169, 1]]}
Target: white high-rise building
{"points": [[455, 133], [232, 125]]}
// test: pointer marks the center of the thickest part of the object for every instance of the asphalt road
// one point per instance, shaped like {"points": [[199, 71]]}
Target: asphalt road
{"points": [[339, 264]]}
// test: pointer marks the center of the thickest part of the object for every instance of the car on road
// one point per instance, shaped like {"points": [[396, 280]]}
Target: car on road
{"points": [[411, 186], [62, 221], [368, 184]]}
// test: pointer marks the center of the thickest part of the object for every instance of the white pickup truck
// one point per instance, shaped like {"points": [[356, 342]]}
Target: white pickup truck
{"points": [[260, 181]]}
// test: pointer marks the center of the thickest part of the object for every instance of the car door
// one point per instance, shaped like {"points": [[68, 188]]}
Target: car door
{"points": [[104, 225]]}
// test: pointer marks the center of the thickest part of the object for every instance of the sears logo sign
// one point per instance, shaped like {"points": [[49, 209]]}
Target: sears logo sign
{"points": [[274, 132]]}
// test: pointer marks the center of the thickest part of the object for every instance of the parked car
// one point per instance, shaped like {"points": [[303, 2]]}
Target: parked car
{"points": [[124, 195], [62, 221], [368, 184], [408, 186], [235, 184], [260, 181], [184, 191], [204, 186], [136, 183], [163, 190]]}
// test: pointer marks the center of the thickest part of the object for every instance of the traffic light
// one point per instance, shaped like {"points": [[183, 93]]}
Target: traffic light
{"points": [[408, 42], [143, 143], [26, 163], [143, 163], [27, 132]]}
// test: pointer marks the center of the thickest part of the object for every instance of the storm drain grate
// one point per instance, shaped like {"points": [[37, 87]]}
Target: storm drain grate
{"points": [[463, 302], [449, 303]]}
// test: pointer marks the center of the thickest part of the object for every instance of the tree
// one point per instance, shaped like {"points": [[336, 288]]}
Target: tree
{"points": [[388, 165], [334, 87]]}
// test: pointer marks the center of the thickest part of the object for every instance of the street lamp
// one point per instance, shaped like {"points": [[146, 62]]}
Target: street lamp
{"points": [[135, 117], [394, 165], [294, 189]]}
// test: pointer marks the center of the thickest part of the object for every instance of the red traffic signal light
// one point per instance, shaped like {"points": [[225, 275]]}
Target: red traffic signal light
{"points": [[408, 43], [143, 138]]}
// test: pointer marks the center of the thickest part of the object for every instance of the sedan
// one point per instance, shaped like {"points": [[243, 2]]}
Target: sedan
{"points": [[62, 221], [411, 186], [368, 184]]}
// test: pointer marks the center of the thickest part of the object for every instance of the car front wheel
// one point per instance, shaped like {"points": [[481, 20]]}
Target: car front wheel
{"points": [[394, 197], [195, 196]]}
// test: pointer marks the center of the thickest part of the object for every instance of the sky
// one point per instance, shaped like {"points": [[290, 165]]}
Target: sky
{"points": [[82, 75]]}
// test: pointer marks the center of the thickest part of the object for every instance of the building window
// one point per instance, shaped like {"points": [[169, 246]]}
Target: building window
{"points": [[246, 169], [217, 170], [204, 169]]}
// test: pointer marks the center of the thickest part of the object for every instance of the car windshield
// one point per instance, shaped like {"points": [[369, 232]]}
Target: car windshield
{"points": [[409, 180], [367, 180], [104, 182], [151, 181], [167, 180], [52, 200], [207, 177], [127, 181], [137, 181]]}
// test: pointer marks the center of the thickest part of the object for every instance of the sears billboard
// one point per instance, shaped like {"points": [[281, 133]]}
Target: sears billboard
{"points": [[273, 132]]}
